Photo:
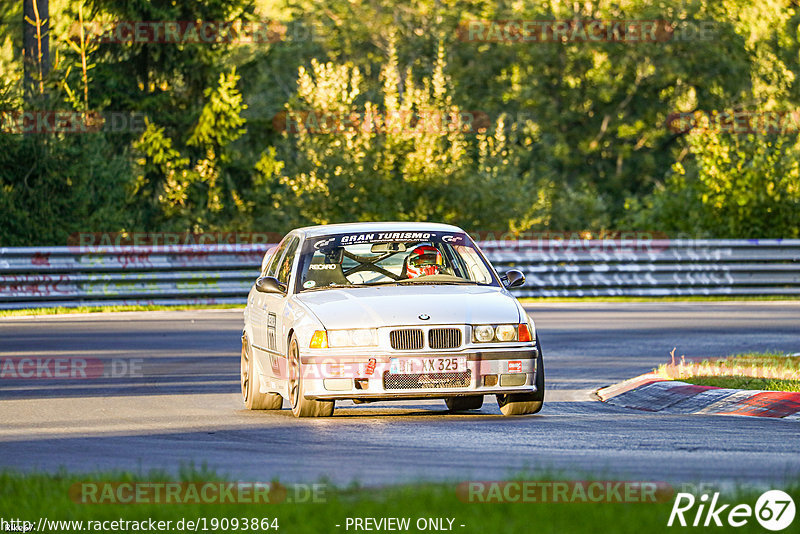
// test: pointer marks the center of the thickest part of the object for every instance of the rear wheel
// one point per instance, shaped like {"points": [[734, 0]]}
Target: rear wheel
{"points": [[301, 406], [252, 397], [525, 403], [463, 404]]}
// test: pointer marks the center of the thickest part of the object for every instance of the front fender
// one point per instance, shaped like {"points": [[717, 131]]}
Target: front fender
{"points": [[247, 329], [301, 321]]}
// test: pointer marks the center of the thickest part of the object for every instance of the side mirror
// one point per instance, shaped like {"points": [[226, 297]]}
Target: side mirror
{"points": [[513, 278], [268, 284]]}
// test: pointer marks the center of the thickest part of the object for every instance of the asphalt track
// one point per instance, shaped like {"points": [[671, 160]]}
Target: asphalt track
{"points": [[181, 405]]}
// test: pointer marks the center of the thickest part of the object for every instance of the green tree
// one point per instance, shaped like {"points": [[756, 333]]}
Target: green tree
{"points": [[405, 157], [53, 187], [735, 186], [189, 189]]}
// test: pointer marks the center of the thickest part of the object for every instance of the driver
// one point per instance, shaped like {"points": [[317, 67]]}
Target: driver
{"points": [[424, 260]]}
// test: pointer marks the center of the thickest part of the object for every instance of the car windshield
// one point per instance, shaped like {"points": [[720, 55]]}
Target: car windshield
{"points": [[380, 258]]}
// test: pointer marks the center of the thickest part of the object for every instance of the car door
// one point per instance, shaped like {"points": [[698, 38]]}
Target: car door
{"points": [[276, 304], [258, 301]]}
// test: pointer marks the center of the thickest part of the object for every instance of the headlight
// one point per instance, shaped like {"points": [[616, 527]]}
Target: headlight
{"points": [[502, 333], [362, 337], [506, 332], [483, 334]]}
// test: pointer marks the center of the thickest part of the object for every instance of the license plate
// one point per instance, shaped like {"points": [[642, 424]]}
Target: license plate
{"points": [[412, 366]]}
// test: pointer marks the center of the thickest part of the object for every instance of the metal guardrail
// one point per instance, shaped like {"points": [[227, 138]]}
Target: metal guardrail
{"points": [[651, 267], [33, 277], [222, 274]]}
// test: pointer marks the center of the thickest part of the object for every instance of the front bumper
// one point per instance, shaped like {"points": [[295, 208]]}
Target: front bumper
{"points": [[331, 376]]}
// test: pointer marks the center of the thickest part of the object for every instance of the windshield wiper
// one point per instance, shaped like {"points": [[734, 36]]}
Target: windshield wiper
{"points": [[405, 282], [442, 283], [333, 286]]}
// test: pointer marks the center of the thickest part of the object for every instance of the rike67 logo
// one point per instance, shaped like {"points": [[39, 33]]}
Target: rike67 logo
{"points": [[774, 510]]}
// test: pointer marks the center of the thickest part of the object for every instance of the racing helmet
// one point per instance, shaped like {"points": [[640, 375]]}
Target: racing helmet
{"points": [[424, 260]]}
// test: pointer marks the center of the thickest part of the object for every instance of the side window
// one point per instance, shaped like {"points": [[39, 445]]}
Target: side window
{"points": [[285, 270], [477, 270], [276, 258], [267, 259]]}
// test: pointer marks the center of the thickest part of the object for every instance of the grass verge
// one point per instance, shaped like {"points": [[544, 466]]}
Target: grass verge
{"points": [[53, 496], [103, 309], [745, 382], [770, 371]]}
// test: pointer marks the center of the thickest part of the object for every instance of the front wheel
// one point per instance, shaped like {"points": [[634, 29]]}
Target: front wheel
{"points": [[526, 403], [252, 397], [301, 406]]}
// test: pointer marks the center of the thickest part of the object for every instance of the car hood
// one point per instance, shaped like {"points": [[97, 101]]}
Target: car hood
{"points": [[403, 305]]}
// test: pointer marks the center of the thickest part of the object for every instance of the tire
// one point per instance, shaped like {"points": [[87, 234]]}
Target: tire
{"points": [[526, 403], [252, 397], [463, 404], [301, 406]]}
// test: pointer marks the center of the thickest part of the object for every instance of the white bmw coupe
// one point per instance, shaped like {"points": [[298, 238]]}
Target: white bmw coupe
{"points": [[386, 311]]}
